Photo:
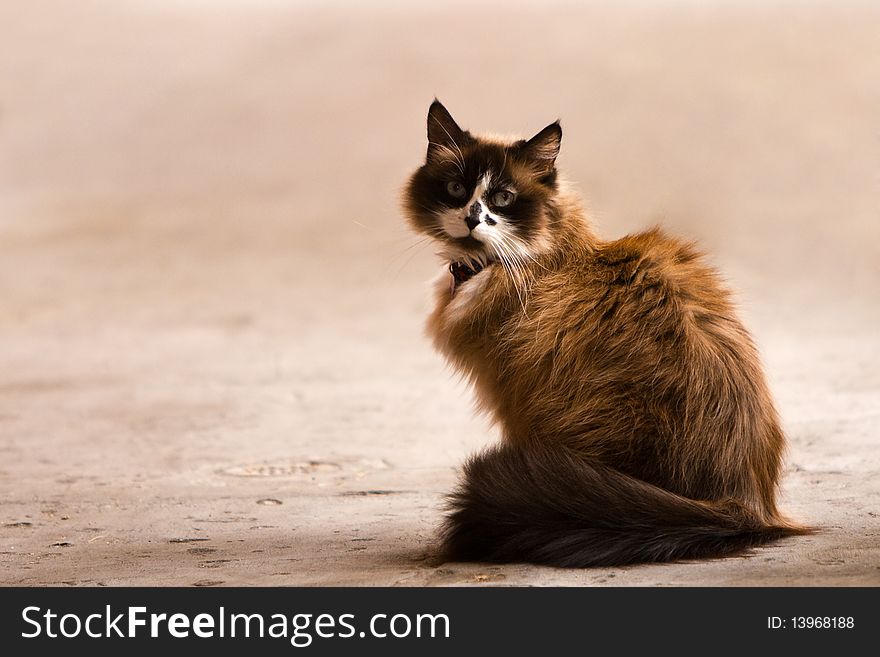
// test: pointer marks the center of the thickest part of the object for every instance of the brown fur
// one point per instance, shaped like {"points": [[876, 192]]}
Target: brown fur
{"points": [[626, 358]]}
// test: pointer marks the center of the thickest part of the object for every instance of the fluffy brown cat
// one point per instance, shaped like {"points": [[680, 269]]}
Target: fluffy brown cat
{"points": [[637, 424]]}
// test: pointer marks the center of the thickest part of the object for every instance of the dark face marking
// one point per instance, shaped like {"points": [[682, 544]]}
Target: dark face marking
{"points": [[521, 175]]}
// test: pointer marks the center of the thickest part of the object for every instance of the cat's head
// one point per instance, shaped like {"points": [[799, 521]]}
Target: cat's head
{"points": [[484, 198]]}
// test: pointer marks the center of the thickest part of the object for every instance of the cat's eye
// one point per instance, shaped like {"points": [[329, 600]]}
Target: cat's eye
{"points": [[455, 189], [503, 199]]}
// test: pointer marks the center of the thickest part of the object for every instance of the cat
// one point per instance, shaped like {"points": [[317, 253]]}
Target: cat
{"points": [[636, 421]]}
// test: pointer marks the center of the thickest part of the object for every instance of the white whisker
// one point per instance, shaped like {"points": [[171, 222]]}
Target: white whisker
{"points": [[509, 260]]}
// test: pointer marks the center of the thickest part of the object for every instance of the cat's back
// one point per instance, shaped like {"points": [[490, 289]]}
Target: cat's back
{"points": [[647, 282], [652, 261], [645, 310]]}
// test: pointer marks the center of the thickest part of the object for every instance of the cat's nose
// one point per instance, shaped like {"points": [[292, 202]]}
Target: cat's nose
{"points": [[473, 218]]}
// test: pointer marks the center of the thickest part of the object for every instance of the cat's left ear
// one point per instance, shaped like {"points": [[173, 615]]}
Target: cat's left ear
{"points": [[543, 148], [443, 132]]}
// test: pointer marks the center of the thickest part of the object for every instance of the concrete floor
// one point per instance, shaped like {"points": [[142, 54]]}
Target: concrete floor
{"points": [[212, 369]]}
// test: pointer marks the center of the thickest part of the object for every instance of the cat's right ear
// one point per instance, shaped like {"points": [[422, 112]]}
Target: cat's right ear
{"points": [[444, 135]]}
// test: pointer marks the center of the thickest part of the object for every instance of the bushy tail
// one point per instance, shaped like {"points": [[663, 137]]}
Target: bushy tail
{"points": [[553, 507]]}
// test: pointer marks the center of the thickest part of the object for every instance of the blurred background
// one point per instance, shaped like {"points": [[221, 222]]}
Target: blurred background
{"points": [[211, 308]]}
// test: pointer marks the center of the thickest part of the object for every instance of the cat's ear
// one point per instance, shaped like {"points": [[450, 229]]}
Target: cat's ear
{"points": [[443, 132], [543, 148]]}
